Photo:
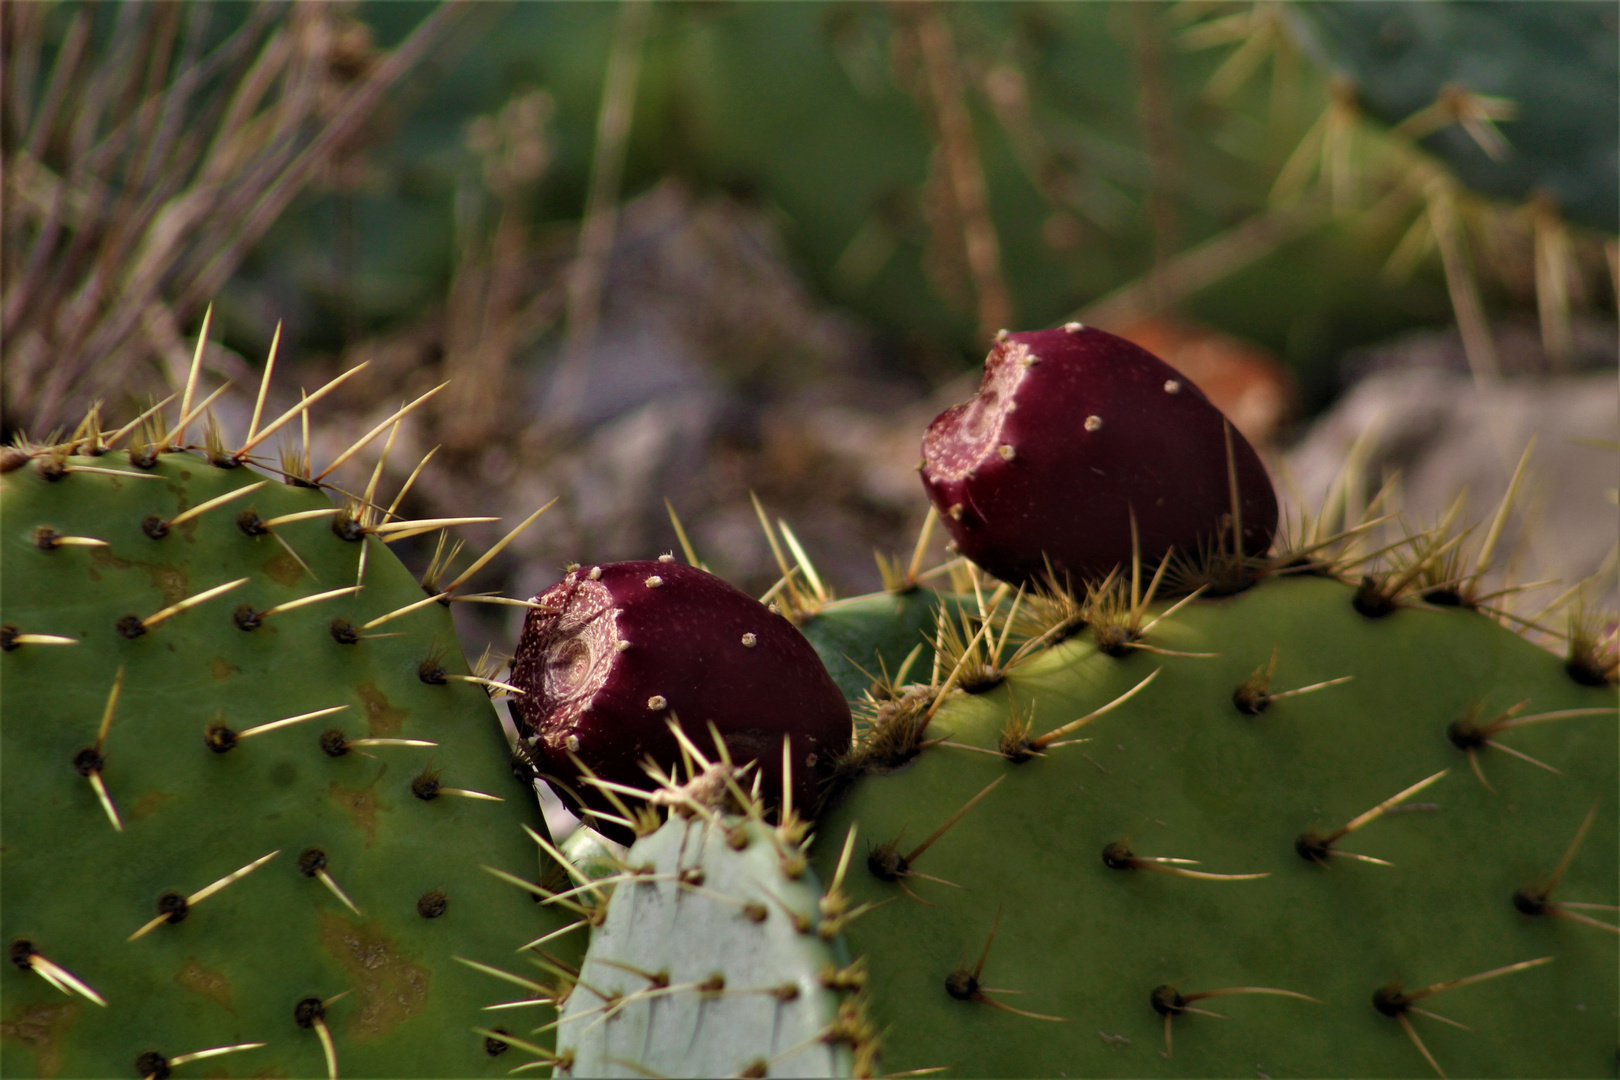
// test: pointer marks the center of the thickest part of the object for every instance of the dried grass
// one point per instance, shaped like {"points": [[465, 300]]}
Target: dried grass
{"points": [[144, 159]]}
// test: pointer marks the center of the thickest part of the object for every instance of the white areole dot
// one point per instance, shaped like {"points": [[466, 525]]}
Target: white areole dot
{"points": [[749, 640], [657, 701], [654, 581], [1171, 386], [1006, 451], [1093, 423]]}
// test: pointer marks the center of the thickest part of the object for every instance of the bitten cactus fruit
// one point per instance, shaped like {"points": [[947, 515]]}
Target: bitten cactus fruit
{"points": [[1072, 433], [619, 651]]}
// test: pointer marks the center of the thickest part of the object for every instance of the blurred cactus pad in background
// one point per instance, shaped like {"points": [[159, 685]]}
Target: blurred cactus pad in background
{"points": [[686, 251], [331, 334]]}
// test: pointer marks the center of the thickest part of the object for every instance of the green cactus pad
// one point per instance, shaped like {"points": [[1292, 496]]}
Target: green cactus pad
{"points": [[860, 638], [592, 854], [1180, 772], [385, 824], [709, 963], [1555, 62]]}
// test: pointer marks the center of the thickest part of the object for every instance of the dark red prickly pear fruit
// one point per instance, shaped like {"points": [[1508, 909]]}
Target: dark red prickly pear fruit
{"points": [[1071, 431], [623, 647]]}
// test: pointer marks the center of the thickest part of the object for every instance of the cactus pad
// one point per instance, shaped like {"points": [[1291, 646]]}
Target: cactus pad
{"points": [[709, 963], [243, 824], [1081, 854]]}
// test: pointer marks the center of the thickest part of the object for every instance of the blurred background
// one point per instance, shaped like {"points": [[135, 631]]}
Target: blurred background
{"points": [[689, 251]]}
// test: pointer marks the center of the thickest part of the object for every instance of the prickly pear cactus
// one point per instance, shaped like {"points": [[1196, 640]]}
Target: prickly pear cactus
{"points": [[1549, 70], [1294, 830], [1215, 834], [1321, 812], [716, 956], [250, 794]]}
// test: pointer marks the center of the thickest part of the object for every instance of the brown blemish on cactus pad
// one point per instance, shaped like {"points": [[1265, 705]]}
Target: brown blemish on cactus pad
{"points": [[168, 579], [389, 985], [283, 569], [221, 668], [43, 1030], [104, 558], [361, 805], [209, 984], [149, 804], [171, 582], [383, 720]]}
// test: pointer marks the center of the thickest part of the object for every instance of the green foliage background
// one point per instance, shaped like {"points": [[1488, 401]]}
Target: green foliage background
{"points": [[795, 107]]}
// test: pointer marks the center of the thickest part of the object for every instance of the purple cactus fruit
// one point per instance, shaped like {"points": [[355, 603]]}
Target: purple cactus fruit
{"points": [[1071, 431], [622, 648]]}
